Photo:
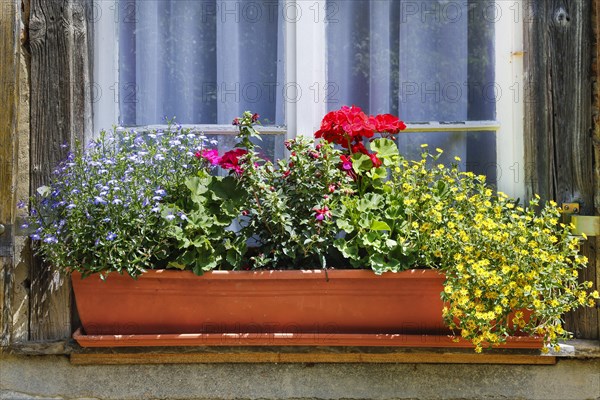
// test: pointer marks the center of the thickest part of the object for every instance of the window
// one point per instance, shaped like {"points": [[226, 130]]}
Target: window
{"points": [[450, 69]]}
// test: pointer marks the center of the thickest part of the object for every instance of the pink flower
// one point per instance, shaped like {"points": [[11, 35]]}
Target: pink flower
{"points": [[346, 163], [255, 117], [212, 156], [322, 213]]}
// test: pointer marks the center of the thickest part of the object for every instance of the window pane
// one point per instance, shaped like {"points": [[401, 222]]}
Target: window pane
{"points": [[424, 60], [202, 61], [477, 150]]}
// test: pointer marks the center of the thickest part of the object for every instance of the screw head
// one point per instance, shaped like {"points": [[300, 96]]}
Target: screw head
{"points": [[2, 229]]}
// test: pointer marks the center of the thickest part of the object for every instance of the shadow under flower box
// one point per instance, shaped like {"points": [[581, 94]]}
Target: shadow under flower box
{"points": [[223, 308]]}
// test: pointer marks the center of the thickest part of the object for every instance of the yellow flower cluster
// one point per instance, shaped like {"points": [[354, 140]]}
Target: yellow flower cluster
{"points": [[500, 258], [509, 268]]}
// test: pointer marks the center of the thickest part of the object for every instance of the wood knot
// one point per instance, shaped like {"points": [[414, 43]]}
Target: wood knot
{"points": [[562, 17]]}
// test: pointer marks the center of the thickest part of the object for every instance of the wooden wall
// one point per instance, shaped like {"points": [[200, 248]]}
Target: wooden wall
{"points": [[60, 112], [558, 119], [9, 109]]}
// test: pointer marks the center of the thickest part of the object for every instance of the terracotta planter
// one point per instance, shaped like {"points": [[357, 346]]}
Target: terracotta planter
{"points": [[289, 308], [341, 301]]}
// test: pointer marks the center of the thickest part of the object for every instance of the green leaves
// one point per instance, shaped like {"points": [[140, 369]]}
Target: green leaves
{"points": [[386, 150], [212, 206], [361, 162], [380, 226]]}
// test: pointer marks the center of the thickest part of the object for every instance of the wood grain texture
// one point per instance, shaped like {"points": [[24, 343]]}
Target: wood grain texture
{"points": [[558, 123], [60, 114], [9, 101], [596, 121], [272, 357]]}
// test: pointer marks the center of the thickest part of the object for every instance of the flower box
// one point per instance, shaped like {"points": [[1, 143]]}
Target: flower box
{"points": [[314, 307], [131, 203]]}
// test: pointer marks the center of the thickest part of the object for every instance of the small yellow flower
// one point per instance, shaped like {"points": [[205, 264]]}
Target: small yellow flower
{"points": [[424, 145]]}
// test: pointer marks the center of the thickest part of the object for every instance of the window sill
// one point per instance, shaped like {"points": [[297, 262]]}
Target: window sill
{"points": [[574, 349]]}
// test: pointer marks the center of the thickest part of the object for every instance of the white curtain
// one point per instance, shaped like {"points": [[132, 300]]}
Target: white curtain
{"points": [[201, 61], [418, 59]]}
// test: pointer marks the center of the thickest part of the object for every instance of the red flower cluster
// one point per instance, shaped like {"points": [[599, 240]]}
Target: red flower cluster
{"points": [[388, 123], [349, 126], [231, 160]]}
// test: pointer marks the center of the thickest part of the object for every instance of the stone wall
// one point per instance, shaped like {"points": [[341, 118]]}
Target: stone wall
{"points": [[53, 377]]}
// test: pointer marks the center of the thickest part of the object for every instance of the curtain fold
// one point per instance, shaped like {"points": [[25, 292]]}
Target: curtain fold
{"points": [[416, 59], [200, 61]]}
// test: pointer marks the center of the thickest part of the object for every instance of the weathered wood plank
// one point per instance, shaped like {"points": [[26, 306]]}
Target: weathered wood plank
{"points": [[558, 125], [60, 113], [596, 138], [273, 357], [9, 99]]}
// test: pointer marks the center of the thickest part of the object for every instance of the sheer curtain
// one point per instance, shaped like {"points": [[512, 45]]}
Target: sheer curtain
{"points": [[424, 60], [201, 61]]}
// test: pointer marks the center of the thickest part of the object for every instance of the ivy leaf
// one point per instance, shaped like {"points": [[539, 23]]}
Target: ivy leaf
{"points": [[344, 225], [378, 264], [380, 226], [347, 248], [390, 243]]}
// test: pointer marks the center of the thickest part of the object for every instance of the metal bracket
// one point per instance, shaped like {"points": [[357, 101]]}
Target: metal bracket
{"points": [[583, 224], [586, 224]]}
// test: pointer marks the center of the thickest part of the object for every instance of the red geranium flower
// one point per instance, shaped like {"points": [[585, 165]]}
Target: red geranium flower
{"points": [[346, 125], [231, 160], [388, 123], [359, 148], [375, 160]]}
